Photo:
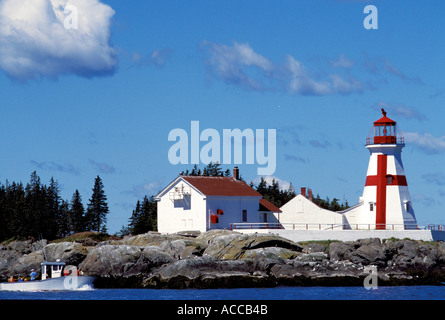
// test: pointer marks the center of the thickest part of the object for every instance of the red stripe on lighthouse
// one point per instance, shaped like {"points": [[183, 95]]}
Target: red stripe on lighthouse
{"points": [[395, 181], [380, 218]]}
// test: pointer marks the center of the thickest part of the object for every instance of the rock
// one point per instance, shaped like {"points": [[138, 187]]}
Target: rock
{"points": [[123, 260], [22, 266], [411, 253], [274, 253], [72, 253], [7, 259], [363, 251], [148, 239], [314, 257], [183, 249], [233, 245], [202, 272], [315, 247], [21, 247]]}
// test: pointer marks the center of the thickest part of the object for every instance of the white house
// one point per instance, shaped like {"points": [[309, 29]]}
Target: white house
{"points": [[203, 203], [300, 213]]}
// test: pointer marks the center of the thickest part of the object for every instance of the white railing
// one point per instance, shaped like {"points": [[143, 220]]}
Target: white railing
{"points": [[332, 226]]}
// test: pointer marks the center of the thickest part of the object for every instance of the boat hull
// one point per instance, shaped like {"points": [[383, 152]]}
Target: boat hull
{"points": [[54, 284]]}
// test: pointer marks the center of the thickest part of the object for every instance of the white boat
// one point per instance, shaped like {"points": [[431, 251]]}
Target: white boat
{"points": [[55, 277]]}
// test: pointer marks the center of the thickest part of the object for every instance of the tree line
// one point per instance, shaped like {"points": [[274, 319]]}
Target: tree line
{"points": [[37, 210]]}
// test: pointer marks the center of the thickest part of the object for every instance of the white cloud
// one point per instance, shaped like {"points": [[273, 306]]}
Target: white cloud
{"points": [[34, 42], [400, 111], [156, 57], [342, 62], [426, 142], [240, 65], [230, 62]]}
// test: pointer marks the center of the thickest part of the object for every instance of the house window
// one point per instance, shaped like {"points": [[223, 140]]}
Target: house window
{"points": [[244, 215], [371, 206], [264, 217]]}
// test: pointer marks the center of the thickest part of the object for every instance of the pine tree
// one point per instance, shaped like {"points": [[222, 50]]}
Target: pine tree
{"points": [[64, 222], [97, 208], [144, 217], [54, 208], [76, 214], [134, 219]]}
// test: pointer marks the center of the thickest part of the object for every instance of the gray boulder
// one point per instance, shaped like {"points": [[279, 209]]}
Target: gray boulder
{"points": [[362, 251], [123, 260], [72, 253]]}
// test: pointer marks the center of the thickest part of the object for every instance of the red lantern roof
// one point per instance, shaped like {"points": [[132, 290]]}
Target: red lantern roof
{"points": [[384, 120]]}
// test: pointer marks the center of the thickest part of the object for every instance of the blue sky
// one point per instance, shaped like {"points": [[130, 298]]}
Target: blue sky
{"points": [[102, 99]]}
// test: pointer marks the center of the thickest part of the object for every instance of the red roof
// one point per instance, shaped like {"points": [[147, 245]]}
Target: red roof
{"points": [[267, 206], [221, 186], [384, 120]]}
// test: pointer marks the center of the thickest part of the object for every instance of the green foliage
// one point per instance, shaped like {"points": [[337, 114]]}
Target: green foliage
{"points": [[211, 170], [273, 192], [330, 205]]}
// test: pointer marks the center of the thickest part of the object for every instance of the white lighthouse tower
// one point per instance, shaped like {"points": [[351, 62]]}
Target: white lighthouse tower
{"points": [[386, 202]]}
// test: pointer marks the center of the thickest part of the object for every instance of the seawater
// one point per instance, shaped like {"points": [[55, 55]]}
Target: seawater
{"points": [[277, 293]]}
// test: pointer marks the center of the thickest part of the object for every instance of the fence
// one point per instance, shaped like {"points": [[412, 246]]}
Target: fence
{"points": [[332, 226]]}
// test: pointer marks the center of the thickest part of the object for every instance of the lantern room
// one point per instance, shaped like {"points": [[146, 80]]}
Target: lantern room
{"points": [[384, 131]]}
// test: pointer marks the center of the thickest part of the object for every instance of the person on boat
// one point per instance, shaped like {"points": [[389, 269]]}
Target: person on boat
{"points": [[33, 274]]}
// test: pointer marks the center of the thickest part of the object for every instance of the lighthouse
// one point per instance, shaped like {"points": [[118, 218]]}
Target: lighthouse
{"points": [[386, 201]]}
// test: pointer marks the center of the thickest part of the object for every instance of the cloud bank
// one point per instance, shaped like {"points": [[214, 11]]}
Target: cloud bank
{"points": [[34, 42]]}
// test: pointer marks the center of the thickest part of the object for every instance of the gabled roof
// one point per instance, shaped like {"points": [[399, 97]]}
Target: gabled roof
{"points": [[221, 186], [267, 206]]}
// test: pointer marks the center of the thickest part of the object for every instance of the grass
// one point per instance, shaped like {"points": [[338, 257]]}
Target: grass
{"points": [[86, 235]]}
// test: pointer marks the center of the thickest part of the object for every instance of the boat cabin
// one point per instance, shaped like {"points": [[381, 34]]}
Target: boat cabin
{"points": [[52, 269]]}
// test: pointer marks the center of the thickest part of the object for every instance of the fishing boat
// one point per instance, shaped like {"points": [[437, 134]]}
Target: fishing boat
{"points": [[55, 276]]}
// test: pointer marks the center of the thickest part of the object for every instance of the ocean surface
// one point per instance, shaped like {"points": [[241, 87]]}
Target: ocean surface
{"points": [[278, 293]]}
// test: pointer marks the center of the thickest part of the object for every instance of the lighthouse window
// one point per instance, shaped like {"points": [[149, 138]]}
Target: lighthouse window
{"points": [[371, 206], [407, 206]]}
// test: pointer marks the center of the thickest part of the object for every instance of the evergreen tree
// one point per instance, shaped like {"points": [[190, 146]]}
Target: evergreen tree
{"points": [[211, 170], [144, 217], [134, 219], [54, 208], [97, 208], [76, 220], [64, 225]]}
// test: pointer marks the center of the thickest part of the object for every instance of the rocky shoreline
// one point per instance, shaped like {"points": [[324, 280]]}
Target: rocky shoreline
{"points": [[227, 259]]}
